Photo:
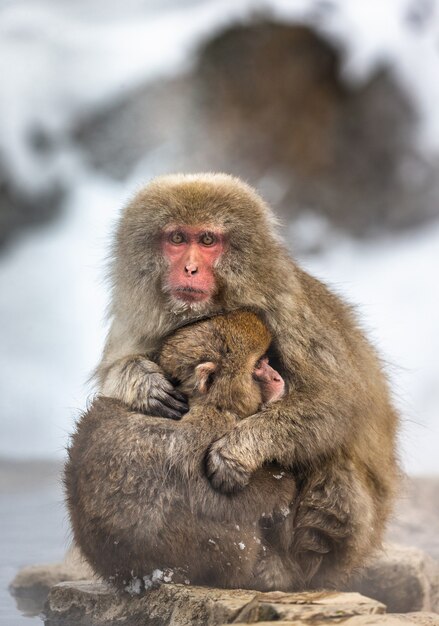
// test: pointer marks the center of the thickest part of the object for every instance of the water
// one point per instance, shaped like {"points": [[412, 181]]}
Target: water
{"points": [[33, 526]]}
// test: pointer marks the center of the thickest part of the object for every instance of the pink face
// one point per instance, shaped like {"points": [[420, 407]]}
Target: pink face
{"points": [[192, 253], [271, 382]]}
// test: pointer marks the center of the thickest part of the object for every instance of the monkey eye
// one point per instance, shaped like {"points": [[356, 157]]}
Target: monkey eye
{"points": [[176, 237], [207, 239], [260, 361]]}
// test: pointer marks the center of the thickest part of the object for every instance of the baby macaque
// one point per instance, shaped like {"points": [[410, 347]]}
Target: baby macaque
{"points": [[141, 505]]}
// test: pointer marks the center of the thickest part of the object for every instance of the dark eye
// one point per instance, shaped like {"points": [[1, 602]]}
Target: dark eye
{"points": [[260, 362], [176, 238], [207, 239]]}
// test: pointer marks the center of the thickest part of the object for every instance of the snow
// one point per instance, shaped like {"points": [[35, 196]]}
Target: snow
{"points": [[134, 587], [59, 60], [52, 301]]}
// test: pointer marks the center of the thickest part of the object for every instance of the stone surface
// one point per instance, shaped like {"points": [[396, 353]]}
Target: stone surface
{"points": [[424, 619], [32, 584], [404, 579], [95, 603]]}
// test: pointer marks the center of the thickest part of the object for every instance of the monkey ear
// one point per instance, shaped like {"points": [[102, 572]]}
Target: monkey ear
{"points": [[203, 375]]}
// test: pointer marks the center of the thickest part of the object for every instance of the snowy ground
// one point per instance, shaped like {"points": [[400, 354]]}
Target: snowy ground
{"points": [[58, 59]]}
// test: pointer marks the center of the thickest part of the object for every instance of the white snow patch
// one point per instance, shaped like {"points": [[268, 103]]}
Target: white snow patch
{"points": [[279, 476], [134, 587], [58, 63], [53, 301], [285, 511]]}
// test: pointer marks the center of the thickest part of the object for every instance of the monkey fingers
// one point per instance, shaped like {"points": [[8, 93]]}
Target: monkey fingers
{"points": [[166, 401], [225, 472]]}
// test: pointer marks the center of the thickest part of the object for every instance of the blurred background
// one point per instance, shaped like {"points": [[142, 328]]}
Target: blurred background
{"points": [[329, 108]]}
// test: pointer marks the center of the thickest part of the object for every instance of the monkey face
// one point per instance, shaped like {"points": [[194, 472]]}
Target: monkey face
{"points": [[191, 254], [242, 385], [223, 359], [271, 382], [228, 388], [190, 245]]}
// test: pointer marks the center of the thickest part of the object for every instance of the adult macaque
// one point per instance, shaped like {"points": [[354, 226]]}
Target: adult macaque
{"points": [[196, 245], [140, 502]]}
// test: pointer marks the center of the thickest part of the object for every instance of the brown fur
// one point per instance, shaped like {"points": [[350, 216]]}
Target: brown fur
{"points": [[335, 428], [138, 496]]}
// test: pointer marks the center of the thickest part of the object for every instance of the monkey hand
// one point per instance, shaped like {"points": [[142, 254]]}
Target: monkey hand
{"points": [[160, 398], [226, 469], [140, 383]]}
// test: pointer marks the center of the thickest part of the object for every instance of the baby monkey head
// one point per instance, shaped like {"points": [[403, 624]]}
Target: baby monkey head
{"points": [[222, 361]]}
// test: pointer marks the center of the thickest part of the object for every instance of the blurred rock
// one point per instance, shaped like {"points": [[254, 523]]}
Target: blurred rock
{"points": [[20, 210], [31, 585], [416, 518], [425, 619], [94, 603], [149, 125], [404, 579], [266, 101]]}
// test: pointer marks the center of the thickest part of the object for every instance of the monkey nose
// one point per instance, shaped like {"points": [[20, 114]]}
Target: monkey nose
{"points": [[191, 268]]}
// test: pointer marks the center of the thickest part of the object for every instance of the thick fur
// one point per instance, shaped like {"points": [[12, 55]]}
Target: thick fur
{"points": [[138, 496], [336, 426]]}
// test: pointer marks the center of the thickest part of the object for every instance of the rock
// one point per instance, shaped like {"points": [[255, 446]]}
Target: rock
{"points": [[86, 602], [150, 125], [303, 133], [20, 210], [97, 604], [309, 606], [404, 579], [425, 619], [416, 518], [307, 139], [32, 584]]}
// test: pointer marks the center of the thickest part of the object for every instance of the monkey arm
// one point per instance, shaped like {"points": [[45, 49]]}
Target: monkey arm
{"points": [[297, 429], [141, 384], [330, 387], [128, 374], [336, 392]]}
